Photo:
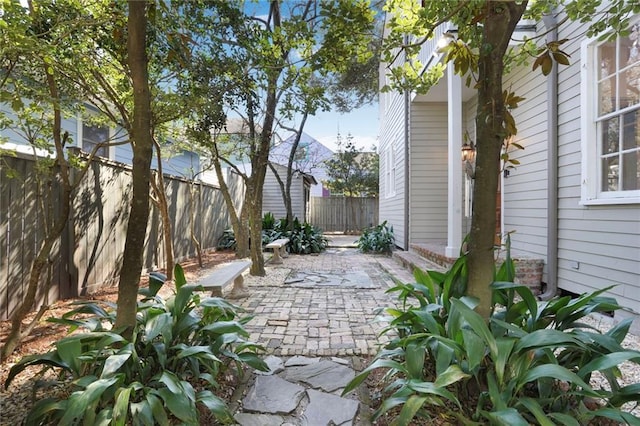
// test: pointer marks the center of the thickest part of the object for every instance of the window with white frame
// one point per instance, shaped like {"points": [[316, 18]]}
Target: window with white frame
{"points": [[92, 135], [390, 171], [611, 119]]}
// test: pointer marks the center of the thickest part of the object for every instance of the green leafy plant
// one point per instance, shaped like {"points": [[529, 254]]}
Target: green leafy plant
{"points": [[531, 364], [304, 238], [227, 240], [268, 221], [165, 374], [378, 239]]}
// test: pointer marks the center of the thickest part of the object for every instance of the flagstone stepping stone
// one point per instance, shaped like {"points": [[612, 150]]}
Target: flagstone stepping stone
{"points": [[275, 364], [273, 395], [351, 279], [325, 375], [247, 419], [299, 360], [327, 409], [339, 360]]}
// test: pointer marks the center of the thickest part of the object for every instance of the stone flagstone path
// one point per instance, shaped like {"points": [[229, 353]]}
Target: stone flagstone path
{"points": [[299, 391], [317, 316]]}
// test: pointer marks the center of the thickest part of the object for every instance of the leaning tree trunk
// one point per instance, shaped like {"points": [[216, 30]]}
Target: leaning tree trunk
{"points": [[192, 222], [238, 223], [500, 22], [142, 150], [51, 235], [16, 333], [161, 202]]}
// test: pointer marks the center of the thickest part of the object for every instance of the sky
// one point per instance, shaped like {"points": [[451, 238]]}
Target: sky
{"points": [[361, 123]]}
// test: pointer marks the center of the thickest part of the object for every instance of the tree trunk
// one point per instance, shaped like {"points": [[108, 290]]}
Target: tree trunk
{"points": [[192, 223], [500, 23], [37, 266], [238, 223], [52, 234], [254, 204], [157, 183], [142, 150], [292, 155]]}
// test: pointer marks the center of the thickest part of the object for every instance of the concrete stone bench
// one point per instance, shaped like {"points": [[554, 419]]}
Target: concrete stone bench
{"points": [[277, 245], [223, 275]]}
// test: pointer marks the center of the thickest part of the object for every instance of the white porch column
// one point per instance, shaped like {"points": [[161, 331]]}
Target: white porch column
{"points": [[454, 186]]}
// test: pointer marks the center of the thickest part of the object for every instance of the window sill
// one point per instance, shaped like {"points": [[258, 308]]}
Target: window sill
{"points": [[609, 201]]}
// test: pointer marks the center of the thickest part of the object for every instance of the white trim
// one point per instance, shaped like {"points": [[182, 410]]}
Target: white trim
{"points": [[390, 170], [590, 193], [454, 181]]}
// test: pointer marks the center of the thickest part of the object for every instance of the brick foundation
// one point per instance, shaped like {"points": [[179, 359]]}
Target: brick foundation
{"points": [[528, 269]]}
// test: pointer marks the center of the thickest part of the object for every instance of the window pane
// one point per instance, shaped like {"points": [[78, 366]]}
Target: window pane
{"points": [[630, 86], [610, 135], [631, 171], [627, 53], [610, 174], [607, 95], [606, 59], [630, 137], [93, 135]]}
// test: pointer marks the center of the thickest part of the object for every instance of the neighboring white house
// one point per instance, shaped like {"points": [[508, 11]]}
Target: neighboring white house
{"points": [[86, 135], [574, 201], [309, 159]]}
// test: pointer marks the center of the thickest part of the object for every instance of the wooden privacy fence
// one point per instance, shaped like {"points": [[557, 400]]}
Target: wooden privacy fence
{"points": [[343, 214], [89, 253]]}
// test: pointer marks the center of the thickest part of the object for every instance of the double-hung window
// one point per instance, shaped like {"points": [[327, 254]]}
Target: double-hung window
{"points": [[93, 135], [611, 119]]}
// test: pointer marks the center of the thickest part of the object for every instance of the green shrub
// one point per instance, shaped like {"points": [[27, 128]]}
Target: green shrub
{"points": [[378, 239], [227, 241], [530, 364], [163, 375], [304, 238]]}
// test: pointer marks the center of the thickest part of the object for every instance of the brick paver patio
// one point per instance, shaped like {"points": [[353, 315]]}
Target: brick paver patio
{"points": [[323, 320]]}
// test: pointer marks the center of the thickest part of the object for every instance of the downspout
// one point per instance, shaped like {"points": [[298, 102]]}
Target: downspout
{"points": [[407, 122], [551, 25]]}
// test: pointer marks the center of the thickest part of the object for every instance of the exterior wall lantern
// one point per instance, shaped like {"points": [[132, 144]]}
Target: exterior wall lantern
{"points": [[468, 158]]}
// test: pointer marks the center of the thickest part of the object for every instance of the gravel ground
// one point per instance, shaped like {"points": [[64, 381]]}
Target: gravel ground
{"points": [[630, 371]]}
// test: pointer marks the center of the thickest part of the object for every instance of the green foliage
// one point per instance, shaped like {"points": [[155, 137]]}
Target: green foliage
{"points": [[530, 364], [304, 238], [164, 374], [378, 239], [352, 172], [227, 240]]}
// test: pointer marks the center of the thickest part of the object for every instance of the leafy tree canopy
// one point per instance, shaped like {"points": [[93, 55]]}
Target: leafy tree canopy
{"points": [[351, 171]]}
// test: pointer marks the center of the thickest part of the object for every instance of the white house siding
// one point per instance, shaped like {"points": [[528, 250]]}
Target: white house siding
{"points": [[428, 172], [14, 139], [392, 200], [272, 195], [525, 188], [598, 245]]}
